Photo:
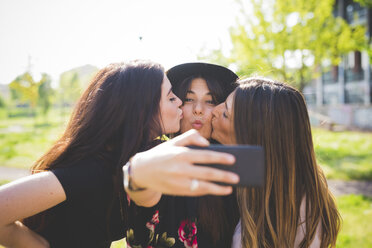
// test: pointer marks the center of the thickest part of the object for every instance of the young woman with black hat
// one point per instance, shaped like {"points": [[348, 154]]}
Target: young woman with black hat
{"points": [[200, 86], [77, 198], [191, 222]]}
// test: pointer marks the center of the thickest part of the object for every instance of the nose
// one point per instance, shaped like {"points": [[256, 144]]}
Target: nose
{"points": [[198, 108]]}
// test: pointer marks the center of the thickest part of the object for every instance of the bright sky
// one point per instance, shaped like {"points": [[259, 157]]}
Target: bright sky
{"points": [[60, 35]]}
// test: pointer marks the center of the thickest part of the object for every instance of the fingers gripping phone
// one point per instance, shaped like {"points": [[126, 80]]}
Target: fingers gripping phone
{"points": [[249, 163]]}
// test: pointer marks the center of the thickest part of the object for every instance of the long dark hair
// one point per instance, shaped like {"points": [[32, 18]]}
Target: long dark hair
{"points": [[274, 115], [117, 116]]}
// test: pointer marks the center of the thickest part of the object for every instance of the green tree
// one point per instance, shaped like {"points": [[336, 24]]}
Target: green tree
{"points": [[367, 3], [2, 103], [25, 89], [288, 39], [3, 108], [45, 93]]}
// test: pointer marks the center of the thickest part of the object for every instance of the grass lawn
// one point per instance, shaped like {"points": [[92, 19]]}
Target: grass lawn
{"points": [[21, 149], [4, 182], [25, 139], [344, 155], [356, 212]]}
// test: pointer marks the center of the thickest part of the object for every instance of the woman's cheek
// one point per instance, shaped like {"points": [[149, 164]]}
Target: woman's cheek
{"points": [[184, 126], [209, 115], [185, 110]]}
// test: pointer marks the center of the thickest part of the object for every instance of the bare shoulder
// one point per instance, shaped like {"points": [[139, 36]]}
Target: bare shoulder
{"points": [[301, 228]]}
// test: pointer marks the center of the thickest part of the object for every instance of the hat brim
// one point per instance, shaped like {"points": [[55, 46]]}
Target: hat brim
{"points": [[225, 76]]}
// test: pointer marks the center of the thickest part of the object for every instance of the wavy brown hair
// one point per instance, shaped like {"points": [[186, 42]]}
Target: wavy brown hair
{"points": [[274, 115], [117, 116]]}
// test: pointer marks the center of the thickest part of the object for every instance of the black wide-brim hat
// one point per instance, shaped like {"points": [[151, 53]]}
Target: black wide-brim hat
{"points": [[225, 76]]}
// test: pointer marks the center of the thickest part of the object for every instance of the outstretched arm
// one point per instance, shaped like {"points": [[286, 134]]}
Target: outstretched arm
{"points": [[23, 198], [169, 169]]}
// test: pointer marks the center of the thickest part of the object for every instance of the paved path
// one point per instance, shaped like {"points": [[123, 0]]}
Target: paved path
{"points": [[338, 187], [7, 173]]}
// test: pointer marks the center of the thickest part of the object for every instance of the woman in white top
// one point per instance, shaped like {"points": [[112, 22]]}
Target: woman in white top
{"points": [[295, 207]]}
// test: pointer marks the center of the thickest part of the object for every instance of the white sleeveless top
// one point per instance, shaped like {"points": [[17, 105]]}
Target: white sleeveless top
{"points": [[237, 238]]}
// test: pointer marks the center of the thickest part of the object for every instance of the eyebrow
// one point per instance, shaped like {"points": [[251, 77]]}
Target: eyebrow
{"points": [[226, 107]]}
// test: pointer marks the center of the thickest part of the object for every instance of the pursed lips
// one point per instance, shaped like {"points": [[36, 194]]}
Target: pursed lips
{"points": [[197, 124]]}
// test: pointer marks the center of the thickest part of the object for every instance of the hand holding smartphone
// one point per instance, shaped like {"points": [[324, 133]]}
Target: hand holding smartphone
{"points": [[249, 163]]}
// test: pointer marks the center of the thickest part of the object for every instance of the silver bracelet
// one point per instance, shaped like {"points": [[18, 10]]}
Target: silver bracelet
{"points": [[127, 179]]}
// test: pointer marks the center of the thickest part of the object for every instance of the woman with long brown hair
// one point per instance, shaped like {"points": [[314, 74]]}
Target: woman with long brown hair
{"points": [[295, 207], [76, 198]]}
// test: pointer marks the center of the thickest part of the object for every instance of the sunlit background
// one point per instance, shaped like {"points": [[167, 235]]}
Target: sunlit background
{"points": [[50, 49]]}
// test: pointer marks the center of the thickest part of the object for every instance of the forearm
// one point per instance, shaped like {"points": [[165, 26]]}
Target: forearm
{"points": [[145, 198], [18, 235]]}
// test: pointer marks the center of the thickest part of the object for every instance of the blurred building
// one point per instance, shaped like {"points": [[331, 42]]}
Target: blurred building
{"points": [[343, 92]]}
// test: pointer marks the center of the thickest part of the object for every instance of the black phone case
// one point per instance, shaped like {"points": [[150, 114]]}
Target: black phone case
{"points": [[249, 163]]}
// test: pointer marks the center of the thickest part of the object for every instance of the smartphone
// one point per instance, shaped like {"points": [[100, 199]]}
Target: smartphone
{"points": [[249, 163]]}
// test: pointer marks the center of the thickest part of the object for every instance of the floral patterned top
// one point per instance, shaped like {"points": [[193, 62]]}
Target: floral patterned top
{"points": [[173, 223]]}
